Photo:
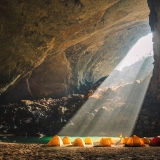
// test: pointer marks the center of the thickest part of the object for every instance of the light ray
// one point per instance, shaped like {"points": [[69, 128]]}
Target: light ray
{"points": [[115, 105]]}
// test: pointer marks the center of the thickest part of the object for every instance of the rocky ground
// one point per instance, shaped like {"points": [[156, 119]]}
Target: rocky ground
{"points": [[11, 151]]}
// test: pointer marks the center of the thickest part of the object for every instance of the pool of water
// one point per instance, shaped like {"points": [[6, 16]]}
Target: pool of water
{"points": [[23, 139], [43, 140]]}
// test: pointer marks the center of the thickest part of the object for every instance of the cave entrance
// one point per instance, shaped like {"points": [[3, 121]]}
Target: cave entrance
{"points": [[115, 105], [140, 51]]}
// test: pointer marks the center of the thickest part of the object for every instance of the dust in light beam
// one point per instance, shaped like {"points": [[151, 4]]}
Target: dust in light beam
{"points": [[114, 107]]}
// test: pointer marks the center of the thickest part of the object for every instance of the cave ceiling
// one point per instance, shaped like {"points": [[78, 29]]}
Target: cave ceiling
{"points": [[49, 47]]}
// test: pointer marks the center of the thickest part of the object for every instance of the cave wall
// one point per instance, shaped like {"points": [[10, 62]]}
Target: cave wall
{"points": [[154, 19], [148, 121], [48, 48]]}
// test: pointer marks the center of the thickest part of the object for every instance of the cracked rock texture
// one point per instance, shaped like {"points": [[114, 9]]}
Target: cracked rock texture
{"points": [[50, 48]]}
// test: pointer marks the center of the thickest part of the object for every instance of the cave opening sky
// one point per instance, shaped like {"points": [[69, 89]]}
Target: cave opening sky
{"points": [[143, 48]]}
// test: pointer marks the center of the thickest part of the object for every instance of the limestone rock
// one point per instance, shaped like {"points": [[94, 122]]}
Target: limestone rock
{"points": [[51, 47]]}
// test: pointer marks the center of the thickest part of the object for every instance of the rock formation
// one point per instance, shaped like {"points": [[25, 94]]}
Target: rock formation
{"points": [[154, 23], [53, 48], [50, 48]]}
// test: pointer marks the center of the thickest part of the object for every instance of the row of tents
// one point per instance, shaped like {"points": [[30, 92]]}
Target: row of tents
{"points": [[57, 141], [136, 141], [133, 141]]}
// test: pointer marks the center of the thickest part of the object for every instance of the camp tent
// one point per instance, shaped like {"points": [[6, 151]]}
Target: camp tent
{"points": [[135, 141], [110, 139], [55, 141], [66, 140], [79, 142], [155, 141], [88, 141], [145, 140], [105, 142], [124, 140]]}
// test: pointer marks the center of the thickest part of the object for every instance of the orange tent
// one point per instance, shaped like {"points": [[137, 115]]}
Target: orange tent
{"points": [[135, 141], [110, 139], [55, 141], [88, 141], [79, 142], [124, 140], [66, 140], [145, 140], [105, 142]]}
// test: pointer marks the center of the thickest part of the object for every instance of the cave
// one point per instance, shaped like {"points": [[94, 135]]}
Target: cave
{"points": [[55, 54]]}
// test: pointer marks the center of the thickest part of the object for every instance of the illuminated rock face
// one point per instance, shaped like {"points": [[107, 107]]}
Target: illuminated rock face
{"points": [[49, 48]]}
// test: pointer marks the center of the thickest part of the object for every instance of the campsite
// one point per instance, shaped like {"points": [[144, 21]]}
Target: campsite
{"points": [[84, 149]]}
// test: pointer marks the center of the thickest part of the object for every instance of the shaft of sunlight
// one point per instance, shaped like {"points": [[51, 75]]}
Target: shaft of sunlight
{"points": [[115, 105]]}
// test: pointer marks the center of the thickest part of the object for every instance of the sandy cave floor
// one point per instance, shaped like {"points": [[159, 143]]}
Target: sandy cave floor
{"points": [[14, 151]]}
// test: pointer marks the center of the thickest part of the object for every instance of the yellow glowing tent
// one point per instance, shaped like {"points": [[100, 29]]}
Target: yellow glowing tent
{"points": [[55, 141], [88, 141], [124, 140], [145, 140], [110, 139], [105, 142], [135, 141], [79, 142], [66, 140]]}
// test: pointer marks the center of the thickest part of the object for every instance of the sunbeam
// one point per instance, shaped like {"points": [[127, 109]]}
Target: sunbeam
{"points": [[115, 105]]}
